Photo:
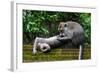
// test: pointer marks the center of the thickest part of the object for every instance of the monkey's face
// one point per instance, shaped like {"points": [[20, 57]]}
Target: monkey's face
{"points": [[63, 27]]}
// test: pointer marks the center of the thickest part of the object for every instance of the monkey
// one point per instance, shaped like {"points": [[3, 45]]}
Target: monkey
{"points": [[48, 43], [75, 33], [70, 32]]}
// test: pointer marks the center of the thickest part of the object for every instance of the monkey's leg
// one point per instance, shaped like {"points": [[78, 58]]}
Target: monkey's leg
{"points": [[35, 46], [80, 52]]}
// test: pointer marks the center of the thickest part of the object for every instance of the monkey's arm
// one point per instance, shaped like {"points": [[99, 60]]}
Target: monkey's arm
{"points": [[63, 38]]}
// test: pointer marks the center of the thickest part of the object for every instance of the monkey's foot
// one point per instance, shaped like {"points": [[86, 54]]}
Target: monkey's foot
{"points": [[34, 51]]}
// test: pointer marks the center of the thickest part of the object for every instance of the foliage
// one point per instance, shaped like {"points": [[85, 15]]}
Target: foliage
{"points": [[45, 23], [85, 20]]}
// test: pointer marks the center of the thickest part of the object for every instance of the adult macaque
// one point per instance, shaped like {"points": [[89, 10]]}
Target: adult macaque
{"points": [[71, 30], [70, 33]]}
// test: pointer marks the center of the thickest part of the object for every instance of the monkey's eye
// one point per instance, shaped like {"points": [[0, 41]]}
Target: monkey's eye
{"points": [[65, 25]]}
